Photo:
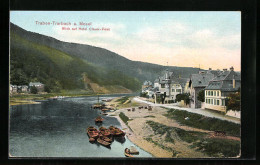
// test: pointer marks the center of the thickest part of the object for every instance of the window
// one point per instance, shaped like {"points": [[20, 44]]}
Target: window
{"points": [[214, 93], [217, 93], [223, 102], [178, 90], [217, 102], [211, 93], [162, 85], [173, 90]]}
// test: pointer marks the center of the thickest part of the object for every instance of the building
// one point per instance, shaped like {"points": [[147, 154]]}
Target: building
{"points": [[170, 85], [38, 85], [197, 83], [177, 86], [22, 89], [147, 84], [156, 83], [13, 88], [219, 89]]}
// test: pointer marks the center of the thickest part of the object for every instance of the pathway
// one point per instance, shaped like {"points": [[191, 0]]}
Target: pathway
{"points": [[203, 112]]}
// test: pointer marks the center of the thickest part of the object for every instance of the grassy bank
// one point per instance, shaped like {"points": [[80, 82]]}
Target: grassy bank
{"points": [[126, 102], [213, 147], [202, 122]]}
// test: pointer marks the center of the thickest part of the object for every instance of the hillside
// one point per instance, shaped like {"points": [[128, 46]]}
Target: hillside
{"points": [[95, 55], [30, 61]]}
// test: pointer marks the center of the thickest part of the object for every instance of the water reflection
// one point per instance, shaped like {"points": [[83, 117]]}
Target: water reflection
{"points": [[57, 128]]}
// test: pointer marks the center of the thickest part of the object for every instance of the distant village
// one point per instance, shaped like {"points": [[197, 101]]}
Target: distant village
{"points": [[36, 86], [205, 90]]}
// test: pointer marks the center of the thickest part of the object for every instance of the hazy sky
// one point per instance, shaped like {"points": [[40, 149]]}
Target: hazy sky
{"points": [[209, 39]]}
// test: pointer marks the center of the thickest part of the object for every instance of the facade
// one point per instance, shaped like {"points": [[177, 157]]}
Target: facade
{"points": [[22, 88], [170, 85], [219, 89], [13, 88], [156, 83], [197, 83], [177, 86], [38, 85], [147, 84]]}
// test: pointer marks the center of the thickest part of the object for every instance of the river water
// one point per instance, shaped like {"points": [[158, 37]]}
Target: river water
{"points": [[57, 128]]}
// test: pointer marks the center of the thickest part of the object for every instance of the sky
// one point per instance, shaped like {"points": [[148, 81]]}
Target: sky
{"points": [[188, 39]]}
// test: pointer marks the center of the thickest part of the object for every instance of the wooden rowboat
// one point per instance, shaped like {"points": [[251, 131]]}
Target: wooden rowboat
{"points": [[104, 131], [116, 131], [102, 142], [92, 132], [99, 119], [127, 154]]}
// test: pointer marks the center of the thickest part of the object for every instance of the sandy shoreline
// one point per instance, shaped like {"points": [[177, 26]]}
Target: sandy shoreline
{"points": [[134, 135], [140, 133]]}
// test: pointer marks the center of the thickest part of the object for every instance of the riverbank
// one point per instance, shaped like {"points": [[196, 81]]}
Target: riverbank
{"points": [[20, 99], [164, 137]]}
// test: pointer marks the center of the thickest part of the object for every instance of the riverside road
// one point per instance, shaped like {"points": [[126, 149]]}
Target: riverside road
{"points": [[203, 112]]}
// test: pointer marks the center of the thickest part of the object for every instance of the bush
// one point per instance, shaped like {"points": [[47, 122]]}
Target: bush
{"points": [[218, 147], [185, 97], [34, 90], [201, 96], [234, 101], [123, 117]]}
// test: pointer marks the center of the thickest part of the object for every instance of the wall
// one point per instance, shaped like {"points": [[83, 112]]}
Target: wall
{"points": [[232, 113], [215, 107]]}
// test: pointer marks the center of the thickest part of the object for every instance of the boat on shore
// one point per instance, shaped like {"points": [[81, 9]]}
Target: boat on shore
{"points": [[92, 132], [105, 138], [103, 142], [116, 131], [104, 131], [99, 119], [127, 153]]}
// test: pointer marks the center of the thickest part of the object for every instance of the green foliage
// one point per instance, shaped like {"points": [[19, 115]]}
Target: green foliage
{"points": [[202, 122], [188, 136], [123, 117], [58, 70], [123, 99], [143, 94], [234, 101], [151, 116], [218, 147], [159, 145], [201, 96], [184, 96], [158, 99], [211, 146], [34, 90]]}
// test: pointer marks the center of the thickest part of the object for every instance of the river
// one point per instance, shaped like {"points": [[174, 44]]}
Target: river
{"points": [[57, 128]]}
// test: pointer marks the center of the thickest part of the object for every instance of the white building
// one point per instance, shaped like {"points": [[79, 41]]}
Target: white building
{"points": [[219, 89]]}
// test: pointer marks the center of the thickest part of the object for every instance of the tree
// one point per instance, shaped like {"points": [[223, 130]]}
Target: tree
{"points": [[34, 90], [201, 96], [184, 97], [234, 101], [163, 96]]}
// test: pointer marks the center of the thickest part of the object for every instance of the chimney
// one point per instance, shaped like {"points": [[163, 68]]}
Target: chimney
{"points": [[225, 69], [234, 82], [231, 69]]}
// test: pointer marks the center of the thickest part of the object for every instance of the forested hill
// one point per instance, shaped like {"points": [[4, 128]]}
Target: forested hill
{"points": [[64, 65], [105, 58]]}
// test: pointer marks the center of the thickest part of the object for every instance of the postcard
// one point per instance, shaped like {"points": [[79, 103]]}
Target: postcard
{"points": [[125, 84]]}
